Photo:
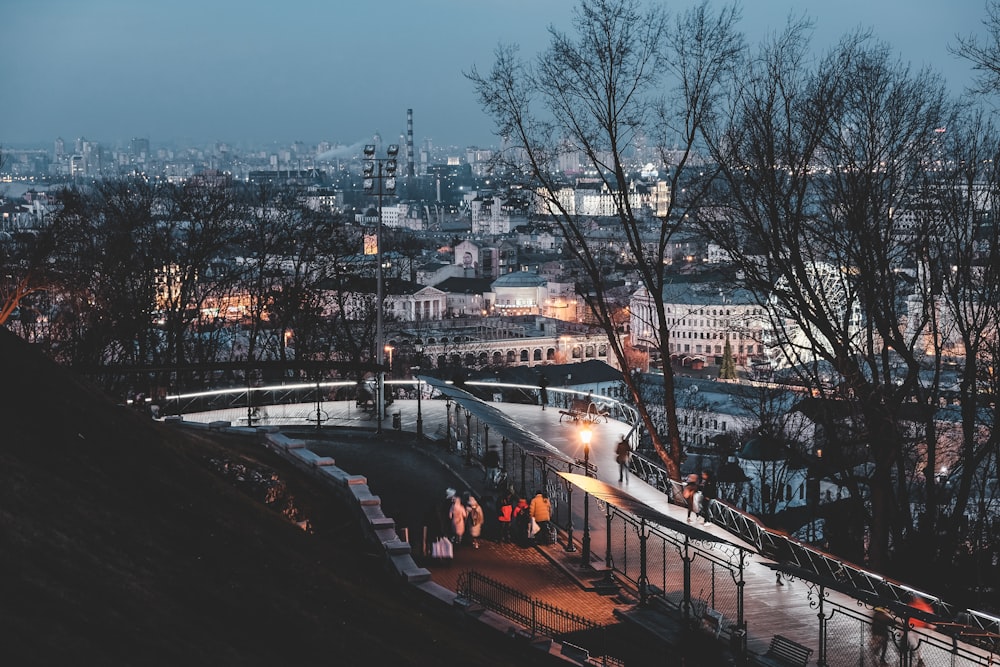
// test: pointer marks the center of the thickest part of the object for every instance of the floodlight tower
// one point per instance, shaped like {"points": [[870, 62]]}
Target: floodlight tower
{"points": [[382, 171]]}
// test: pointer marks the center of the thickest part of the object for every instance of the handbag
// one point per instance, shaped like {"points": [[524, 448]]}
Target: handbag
{"points": [[442, 548], [533, 527]]}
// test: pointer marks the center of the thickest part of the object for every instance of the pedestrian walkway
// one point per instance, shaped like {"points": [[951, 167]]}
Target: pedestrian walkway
{"points": [[409, 490], [400, 471]]}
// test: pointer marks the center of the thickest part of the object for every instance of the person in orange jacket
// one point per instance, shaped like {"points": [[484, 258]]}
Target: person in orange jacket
{"points": [[505, 515], [913, 640], [541, 512]]}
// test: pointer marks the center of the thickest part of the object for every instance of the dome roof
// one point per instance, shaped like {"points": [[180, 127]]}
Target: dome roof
{"points": [[519, 279], [730, 472], [763, 448]]}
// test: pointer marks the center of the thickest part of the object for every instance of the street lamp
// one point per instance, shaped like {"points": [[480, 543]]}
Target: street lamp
{"points": [[419, 349], [420, 414], [382, 170], [388, 350], [585, 435], [468, 437], [447, 421]]}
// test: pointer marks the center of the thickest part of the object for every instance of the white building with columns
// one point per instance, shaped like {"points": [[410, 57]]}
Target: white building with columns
{"points": [[700, 317]]}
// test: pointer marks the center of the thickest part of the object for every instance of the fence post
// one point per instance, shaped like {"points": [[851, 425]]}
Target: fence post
{"points": [[821, 615]]}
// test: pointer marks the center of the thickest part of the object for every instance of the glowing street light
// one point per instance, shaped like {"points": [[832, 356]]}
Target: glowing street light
{"points": [[388, 350], [383, 171], [585, 435], [419, 349]]}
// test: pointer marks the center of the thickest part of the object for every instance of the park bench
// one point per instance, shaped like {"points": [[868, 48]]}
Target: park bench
{"points": [[784, 652], [710, 619], [366, 402], [583, 410], [713, 621]]}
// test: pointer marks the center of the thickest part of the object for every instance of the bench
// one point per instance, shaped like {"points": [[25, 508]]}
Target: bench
{"points": [[583, 410], [713, 621], [784, 652]]}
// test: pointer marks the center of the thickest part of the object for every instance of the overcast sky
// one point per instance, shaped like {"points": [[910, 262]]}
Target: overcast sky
{"points": [[254, 72]]}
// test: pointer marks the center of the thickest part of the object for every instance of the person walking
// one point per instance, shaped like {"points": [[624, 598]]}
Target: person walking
{"points": [[881, 627], [491, 462], [622, 454], [458, 517], [475, 517], [708, 492], [505, 514], [541, 511], [522, 520], [913, 640], [690, 489]]}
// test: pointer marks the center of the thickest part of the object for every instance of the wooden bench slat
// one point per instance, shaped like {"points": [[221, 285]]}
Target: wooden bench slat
{"points": [[784, 651]]}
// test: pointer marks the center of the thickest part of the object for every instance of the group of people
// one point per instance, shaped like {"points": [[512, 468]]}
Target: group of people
{"points": [[522, 521], [514, 519], [884, 629], [466, 518], [698, 491]]}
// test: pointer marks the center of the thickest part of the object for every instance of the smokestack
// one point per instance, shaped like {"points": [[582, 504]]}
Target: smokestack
{"points": [[409, 143]]}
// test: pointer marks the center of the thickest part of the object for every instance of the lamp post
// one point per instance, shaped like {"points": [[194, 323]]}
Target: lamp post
{"points": [[447, 422], [420, 415], [382, 170], [468, 437], [585, 435]]}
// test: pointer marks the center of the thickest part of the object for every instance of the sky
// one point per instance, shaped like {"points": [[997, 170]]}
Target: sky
{"points": [[251, 72]]}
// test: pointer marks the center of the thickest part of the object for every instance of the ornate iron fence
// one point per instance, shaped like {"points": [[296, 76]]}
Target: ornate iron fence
{"points": [[537, 616]]}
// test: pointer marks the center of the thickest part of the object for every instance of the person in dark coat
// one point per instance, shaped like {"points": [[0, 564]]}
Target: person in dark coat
{"points": [[491, 465], [708, 492], [689, 492], [522, 519], [622, 454], [505, 515]]}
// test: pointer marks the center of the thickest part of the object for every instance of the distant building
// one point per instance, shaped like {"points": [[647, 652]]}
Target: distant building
{"points": [[519, 293], [466, 296], [702, 313]]}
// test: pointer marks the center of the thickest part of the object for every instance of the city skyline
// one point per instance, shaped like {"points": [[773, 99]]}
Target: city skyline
{"points": [[307, 71]]}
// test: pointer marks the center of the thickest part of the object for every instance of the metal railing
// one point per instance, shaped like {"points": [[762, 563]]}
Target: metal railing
{"points": [[537, 616], [975, 629], [653, 559], [659, 563], [847, 636]]}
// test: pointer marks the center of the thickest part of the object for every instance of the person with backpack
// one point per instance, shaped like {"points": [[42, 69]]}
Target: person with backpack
{"points": [[522, 522], [475, 517]]}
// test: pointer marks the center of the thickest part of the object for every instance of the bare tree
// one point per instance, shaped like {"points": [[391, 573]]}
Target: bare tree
{"points": [[195, 231], [624, 76], [29, 261], [984, 55], [962, 265], [116, 267], [265, 229], [817, 162]]}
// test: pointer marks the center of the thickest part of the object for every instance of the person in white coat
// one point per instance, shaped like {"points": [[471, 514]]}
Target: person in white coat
{"points": [[458, 516], [475, 515]]}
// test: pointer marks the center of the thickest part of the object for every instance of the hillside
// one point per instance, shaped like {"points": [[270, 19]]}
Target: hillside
{"points": [[121, 545]]}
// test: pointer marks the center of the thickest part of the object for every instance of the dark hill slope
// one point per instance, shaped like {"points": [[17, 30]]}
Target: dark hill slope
{"points": [[119, 545]]}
